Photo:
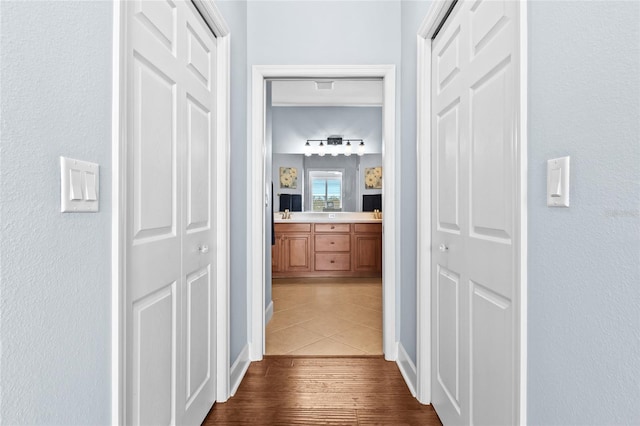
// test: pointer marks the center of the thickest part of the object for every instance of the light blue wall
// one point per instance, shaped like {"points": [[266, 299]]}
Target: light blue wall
{"points": [[413, 12], [235, 14], [331, 32], [324, 32], [584, 273], [56, 277], [292, 126]]}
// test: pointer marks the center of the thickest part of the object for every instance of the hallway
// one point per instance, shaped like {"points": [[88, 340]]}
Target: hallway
{"points": [[283, 390]]}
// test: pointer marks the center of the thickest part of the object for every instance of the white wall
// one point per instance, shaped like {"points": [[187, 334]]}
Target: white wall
{"points": [[56, 278], [292, 126], [584, 261]]}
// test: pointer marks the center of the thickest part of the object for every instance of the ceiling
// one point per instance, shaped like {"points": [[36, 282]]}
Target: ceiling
{"points": [[326, 93]]}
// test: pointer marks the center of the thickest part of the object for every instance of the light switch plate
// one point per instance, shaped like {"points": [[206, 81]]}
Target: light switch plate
{"points": [[558, 182], [79, 182]]}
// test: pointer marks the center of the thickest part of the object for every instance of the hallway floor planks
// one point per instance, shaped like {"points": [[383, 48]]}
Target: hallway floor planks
{"points": [[286, 390]]}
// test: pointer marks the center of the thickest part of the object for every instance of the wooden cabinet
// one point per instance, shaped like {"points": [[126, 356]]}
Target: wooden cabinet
{"points": [[327, 250], [297, 252], [332, 247], [292, 250], [367, 247], [276, 256]]}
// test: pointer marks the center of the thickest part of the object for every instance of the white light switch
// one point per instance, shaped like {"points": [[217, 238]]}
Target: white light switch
{"points": [[79, 185], [558, 182], [75, 185], [90, 183]]}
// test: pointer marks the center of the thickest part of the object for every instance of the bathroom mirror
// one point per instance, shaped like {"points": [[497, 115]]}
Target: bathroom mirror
{"points": [[298, 111]]}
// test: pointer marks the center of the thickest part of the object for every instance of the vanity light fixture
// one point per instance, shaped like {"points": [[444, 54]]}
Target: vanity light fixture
{"points": [[347, 149], [333, 145]]}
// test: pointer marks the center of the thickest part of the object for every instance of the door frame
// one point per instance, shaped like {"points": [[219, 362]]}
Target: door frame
{"points": [[259, 193], [220, 29], [436, 15]]}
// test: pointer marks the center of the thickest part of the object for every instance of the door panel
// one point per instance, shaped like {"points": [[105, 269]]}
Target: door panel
{"points": [[198, 332], [474, 157], [154, 149], [448, 152], [491, 357], [198, 165], [487, 18], [154, 355], [199, 57], [448, 335], [170, 350], [159, 18], [492, 171], [448, 60]]}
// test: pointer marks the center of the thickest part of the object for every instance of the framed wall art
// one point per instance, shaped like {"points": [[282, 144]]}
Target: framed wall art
{"points": [[288, 177], [373, 177]]}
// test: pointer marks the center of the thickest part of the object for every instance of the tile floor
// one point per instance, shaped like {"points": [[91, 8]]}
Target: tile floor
{"points": [[326, 316]]}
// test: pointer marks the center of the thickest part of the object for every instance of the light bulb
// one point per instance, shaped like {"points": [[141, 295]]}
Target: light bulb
{"points": [[347, 149], [361, 148], [334, 150], [322, 150], [307, 149]]}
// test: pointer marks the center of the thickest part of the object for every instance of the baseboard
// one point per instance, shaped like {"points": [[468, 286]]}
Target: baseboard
{"points": [[407, 369], [268, 313], [238, 369]]}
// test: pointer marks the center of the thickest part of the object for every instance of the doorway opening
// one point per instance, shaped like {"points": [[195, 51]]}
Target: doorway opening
{"points": [[325, 283], [262, 206]]}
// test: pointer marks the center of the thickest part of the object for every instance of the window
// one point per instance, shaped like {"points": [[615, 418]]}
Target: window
{"points": [[326, 190]]}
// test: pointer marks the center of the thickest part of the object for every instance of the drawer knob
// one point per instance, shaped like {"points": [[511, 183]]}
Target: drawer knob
{"points": [[333, 227], [333, 242], [333, 261]]}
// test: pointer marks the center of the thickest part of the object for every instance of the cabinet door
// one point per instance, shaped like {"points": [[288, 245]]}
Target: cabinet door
{"points": [[367, 253], [276, 255], [297, 252]]}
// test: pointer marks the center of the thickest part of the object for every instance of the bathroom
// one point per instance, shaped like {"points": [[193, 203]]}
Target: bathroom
{"points": [[324, 156]]}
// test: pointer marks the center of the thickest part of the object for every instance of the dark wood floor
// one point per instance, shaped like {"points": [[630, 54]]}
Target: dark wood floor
{"points": [[284, 390]]}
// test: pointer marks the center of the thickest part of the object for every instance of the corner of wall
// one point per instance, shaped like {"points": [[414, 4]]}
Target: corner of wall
{"points": [[407, 369], [239, 369]]}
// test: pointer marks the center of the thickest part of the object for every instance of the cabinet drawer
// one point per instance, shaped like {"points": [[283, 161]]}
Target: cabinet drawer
{"points": [[367, 228], [333, 262], [332, 227], [292, 227], [333, 242]]}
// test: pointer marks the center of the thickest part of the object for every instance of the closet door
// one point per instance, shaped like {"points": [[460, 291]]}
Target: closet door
{"points": [[474, 163], [169, 318], [198, 207]]}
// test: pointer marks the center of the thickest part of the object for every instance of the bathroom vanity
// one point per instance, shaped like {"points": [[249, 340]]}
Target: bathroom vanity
{"points": [[327, 245]]}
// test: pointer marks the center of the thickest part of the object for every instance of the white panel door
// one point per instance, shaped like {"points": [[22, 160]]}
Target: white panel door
{"points": [[170, 322], [474, 158]]}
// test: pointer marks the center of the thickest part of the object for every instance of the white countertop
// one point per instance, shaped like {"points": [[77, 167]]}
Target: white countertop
{"points": [[325, 217]]}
